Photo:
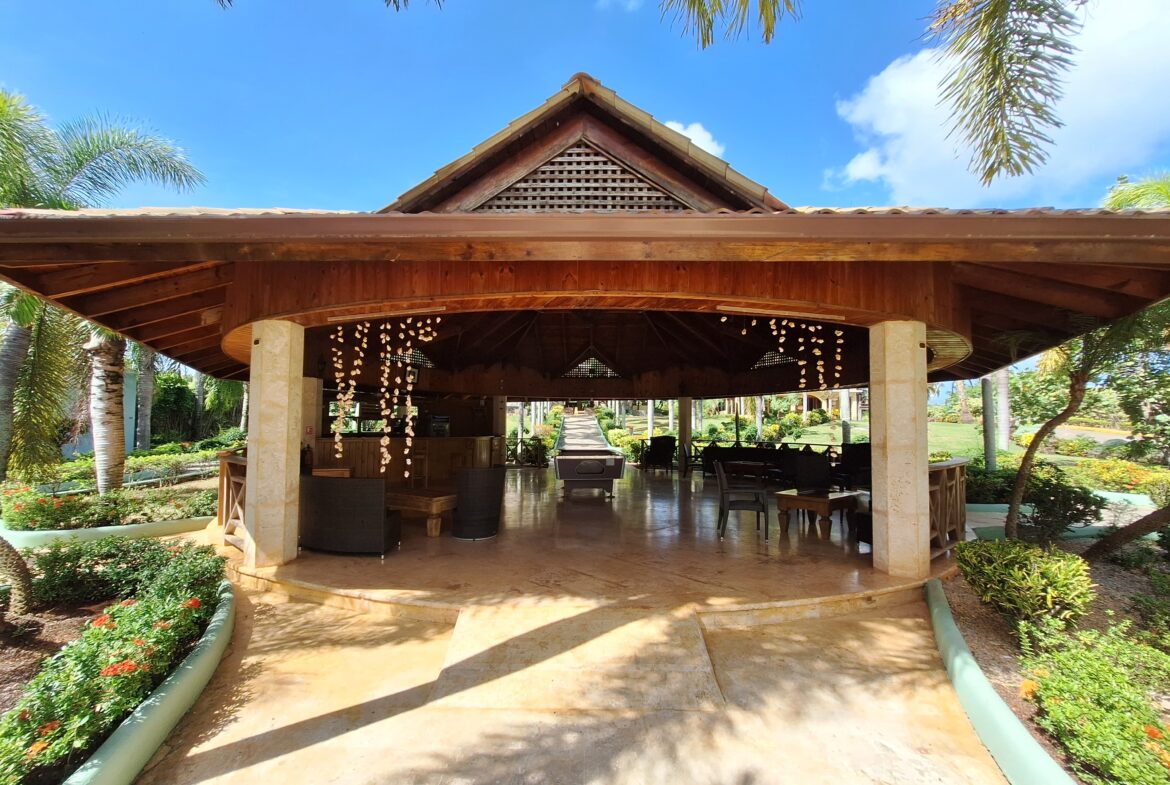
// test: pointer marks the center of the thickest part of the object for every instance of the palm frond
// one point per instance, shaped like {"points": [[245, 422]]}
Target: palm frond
{"points": [[19, 306], [1148, 193], [49, 381], [1009, 60], [26, 144], [98, 157], [702, 17]]}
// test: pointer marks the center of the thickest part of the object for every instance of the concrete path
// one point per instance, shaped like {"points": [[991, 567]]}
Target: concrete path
{"points": [[581, 432], [554, 693]]}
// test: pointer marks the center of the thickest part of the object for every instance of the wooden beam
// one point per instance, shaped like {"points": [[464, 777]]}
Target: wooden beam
{"points": [[1139, 282], [165, 310], [179, 324], [82, 279], [169, 288], [1100, 303], [205, 339]]}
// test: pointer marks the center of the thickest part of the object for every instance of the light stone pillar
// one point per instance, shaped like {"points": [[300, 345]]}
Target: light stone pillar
{"points": [[650, 418], [897, 414], [499, 412], [312, 395], [670, 415], [271, 508]]}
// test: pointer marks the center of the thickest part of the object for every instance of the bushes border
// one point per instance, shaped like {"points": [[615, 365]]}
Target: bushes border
{"points": [[121, 757], [1019, 756]]}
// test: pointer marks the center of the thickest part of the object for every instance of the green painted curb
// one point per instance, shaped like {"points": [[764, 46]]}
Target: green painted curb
{"points": [[1021, 759], [132, 744], [42, 537]]}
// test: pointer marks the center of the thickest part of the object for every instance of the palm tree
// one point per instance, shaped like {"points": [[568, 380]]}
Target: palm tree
{"points": [[81, 163], [146, 363], [1149, 193], [1009, 58], [107, 353]]}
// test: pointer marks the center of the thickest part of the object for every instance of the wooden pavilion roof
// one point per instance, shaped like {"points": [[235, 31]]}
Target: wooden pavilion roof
{"points": [[659, 226]]}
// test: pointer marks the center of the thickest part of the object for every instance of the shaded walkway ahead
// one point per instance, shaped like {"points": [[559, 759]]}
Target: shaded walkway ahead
{"points": [[555, 693]]}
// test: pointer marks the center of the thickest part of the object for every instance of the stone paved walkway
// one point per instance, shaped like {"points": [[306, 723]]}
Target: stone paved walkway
{"points": [[557, 693]]}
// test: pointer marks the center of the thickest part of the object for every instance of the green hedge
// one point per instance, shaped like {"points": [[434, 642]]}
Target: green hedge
{"points": [[1026, 581], [1095, 692], [167, 594]]}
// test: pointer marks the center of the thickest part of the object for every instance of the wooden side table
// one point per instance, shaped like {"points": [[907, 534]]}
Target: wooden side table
{"points": [[431, 503], [821, 505]]}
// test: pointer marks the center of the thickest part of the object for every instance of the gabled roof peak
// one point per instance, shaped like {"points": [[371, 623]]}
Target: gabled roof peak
{"points": [[584, 108]]}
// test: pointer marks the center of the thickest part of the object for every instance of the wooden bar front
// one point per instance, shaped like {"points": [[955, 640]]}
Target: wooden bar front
{"points": [[432, 457]]}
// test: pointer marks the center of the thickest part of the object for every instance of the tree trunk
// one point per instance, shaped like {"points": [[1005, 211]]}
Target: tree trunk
{"points": [[145, 398], [200, 396], [964, 407], [12, 356], [244, 410], [107, 357], [1155, 521], [14, 571], [1003, 409], [1076, 393]]}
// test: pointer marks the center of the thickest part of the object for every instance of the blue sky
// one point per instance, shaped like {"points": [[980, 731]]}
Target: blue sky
{"points": [[344, 104]]}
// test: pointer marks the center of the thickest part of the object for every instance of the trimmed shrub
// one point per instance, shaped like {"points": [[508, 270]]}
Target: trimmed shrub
{"points": [[1056, 505], [816, 417], [1095, 693], [1026, 581], [1080, 446], [87, 688]]}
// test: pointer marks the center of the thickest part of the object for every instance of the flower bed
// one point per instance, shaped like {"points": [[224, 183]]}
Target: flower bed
{"points": [[163, 597], [25, 509]]}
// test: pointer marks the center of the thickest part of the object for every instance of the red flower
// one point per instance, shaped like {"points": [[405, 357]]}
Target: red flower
{"points": [[36, 749], [48, 728], [128, 603], [18, 506], [42, 501], [23, 716], [192, 603], [139, 642], [162, 624], [119, 668], [104, 621], [1154, 732], [56, 504]]}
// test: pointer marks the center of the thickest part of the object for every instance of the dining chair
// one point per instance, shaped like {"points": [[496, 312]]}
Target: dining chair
{"points": [[736, 496]]}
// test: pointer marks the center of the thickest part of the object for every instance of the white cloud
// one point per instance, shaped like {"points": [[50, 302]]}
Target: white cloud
{"points": [[699, 135], [625, 5], [1116, 111]]}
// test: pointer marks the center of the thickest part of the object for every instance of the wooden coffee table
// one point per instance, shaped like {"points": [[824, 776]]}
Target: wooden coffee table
{"points": [[822, 505], [433, 503]]}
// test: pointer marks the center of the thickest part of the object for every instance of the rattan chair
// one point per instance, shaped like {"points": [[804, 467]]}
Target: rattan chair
{"points": [[739, 496]]}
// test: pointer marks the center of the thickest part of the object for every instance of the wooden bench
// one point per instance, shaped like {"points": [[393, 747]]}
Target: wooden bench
{"points": [[432, 503]]}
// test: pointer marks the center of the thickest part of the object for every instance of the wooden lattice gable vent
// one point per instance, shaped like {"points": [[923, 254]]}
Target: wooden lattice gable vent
{"points": [[582, 178], [591, 368]]}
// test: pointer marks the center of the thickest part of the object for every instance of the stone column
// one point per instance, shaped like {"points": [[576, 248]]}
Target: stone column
{"points": [[670, 415], [498, 405], [312, 402], [684, 430], [897, 414], [649, 418], [271, 509]]}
